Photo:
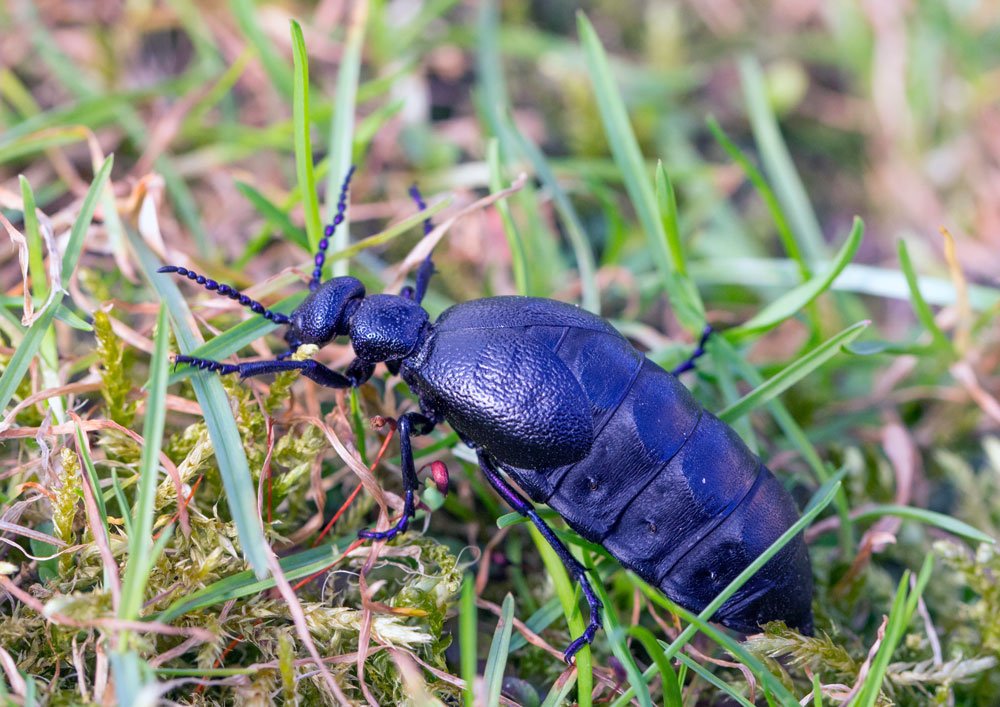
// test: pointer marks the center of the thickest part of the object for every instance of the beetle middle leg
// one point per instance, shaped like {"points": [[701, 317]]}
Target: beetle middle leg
{"points": [[698, 352], [409, 424], [520, 504]]}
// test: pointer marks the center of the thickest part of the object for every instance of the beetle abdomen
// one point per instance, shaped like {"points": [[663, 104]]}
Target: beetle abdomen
{"points": [[672, 492]]}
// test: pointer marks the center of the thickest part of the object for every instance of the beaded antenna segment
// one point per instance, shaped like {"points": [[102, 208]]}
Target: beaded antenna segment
{"points": [[228, 291], [320, 257]]}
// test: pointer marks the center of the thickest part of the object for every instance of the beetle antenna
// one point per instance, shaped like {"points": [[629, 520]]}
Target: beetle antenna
{"points": [[426, 269], [230, 292], [324, 243]]}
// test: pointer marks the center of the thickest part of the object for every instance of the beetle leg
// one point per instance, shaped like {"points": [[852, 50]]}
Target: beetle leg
{"points": [[410, 423], [698, 352], [520, 504], [357, 373]]}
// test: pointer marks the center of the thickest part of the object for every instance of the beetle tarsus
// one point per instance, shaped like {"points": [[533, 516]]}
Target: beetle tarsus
{"points": [[520, 504], [698, 352]]}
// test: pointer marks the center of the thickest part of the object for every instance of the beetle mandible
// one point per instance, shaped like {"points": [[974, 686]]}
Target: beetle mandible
{"points": [[554, 399]]}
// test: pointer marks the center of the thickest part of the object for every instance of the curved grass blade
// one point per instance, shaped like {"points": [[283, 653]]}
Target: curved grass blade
{"points": [[766, 193], [342, 126], [792, 374], [794, 300], [499, 650], [924, 314], [922, 515], [903, 607], [303, 142]]}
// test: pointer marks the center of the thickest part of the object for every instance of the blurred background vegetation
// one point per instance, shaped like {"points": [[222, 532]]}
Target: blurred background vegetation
{"points": [[884, 109]]}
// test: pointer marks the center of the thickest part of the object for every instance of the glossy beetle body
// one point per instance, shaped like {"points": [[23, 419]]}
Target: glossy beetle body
{"points": [[555, 399], [582, 421]]}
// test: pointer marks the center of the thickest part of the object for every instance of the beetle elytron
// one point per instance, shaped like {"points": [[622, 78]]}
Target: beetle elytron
{"points": [[555, 399]]}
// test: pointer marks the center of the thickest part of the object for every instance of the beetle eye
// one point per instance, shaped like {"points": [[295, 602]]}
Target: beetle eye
{"points": [[651, 527], [593, 483]]}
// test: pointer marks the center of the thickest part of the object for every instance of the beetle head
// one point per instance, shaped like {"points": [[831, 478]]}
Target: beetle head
{"points": [[387, 328], [325, 312]]}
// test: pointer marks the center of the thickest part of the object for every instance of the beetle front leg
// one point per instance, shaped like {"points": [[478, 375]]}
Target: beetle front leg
{"points": [[357, 373], [408, 424], [520, 504]]}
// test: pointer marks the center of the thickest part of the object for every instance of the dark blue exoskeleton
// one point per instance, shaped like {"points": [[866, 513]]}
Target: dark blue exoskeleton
{"points": [[553, 398]]}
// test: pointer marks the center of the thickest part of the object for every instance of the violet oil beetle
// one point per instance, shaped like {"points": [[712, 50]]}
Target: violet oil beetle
{"points": [[555, 400]]}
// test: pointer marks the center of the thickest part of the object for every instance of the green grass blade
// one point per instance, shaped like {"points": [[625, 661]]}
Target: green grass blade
{"points": [[496, 107], [33, 235], [778, 163], [342, 127], [275, 215], [244, 584], [245, 12], [901, 613], [25, 351], [229, 452], [796, 299], [920, 307], [565, 589], [684, 297], [91, 472], [711, 679], [499, 650], [303, 141], [767, 194], [141, 539], [624, 145], [467, 633], [518, 263], [666, 201], [946, 523], [792, 373], [82, 222], [559, 693], [672, 696]]}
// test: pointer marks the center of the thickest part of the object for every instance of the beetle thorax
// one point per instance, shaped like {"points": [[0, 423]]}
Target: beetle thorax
{"points": [[387, 328]]}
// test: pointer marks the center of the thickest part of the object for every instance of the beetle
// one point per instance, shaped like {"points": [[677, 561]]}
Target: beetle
{"points": [[554, 399]]}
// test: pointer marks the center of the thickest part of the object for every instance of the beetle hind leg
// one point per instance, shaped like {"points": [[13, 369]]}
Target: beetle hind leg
{"points": [[520, 504], [698, 352]]}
